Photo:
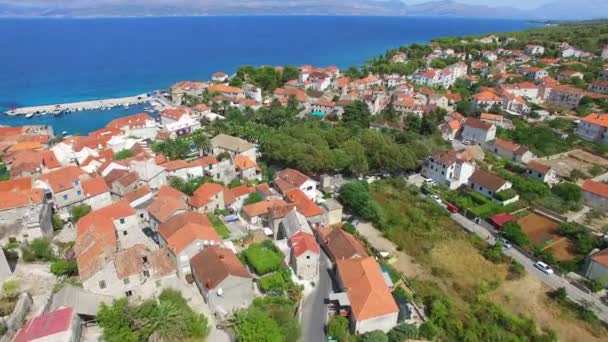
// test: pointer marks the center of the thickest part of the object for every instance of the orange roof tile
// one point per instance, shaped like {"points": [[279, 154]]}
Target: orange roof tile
{"points": [[137, 193], [62, 179], [364, 284], [19, 198], [94, 186], [23, 183], [207, 190], [261, 208], [222, 88], [597, 119], [242, 190], [189, 233], [166, 190], [507, 145], [164, 207], [214, 264], [243, 162], [302, 242], [597, 188], [132, 121], [305, 205]]}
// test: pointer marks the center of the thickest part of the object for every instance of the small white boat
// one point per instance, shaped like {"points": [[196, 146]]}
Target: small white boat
{"points": [[29, 115], [64, 133]]}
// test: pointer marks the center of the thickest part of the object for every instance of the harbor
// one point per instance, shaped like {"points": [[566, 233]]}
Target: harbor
{"points": [[105, 104]]}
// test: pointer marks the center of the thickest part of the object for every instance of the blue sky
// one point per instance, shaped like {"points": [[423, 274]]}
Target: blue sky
{"points": [[513, 3]]}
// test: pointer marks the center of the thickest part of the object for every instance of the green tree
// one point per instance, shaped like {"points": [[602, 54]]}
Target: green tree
{"points": [[290, 73], [567, 191], [513, 232], [403, 332], [200, 141], [337, 327], [123, 154], [373, 336], [79, 211], [115, 322], [357, 114], [357, 197], [57, 222], [63, 267], [253, 325], [253, 197]]}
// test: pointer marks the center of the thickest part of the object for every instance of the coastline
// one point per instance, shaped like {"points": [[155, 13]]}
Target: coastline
{"points": [[80, 106]]}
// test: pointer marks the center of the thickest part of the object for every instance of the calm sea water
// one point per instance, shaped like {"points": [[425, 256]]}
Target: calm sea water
{"points": [[44, 61]]}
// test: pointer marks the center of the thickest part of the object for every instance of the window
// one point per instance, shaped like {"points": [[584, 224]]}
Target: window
{"points": [[129, 293], [126, 281], [78, 192], [102, 284], [141, 215], [147, 274], [308, 257], [145, 258], [125, 233], [65, 197], [122, 221]]}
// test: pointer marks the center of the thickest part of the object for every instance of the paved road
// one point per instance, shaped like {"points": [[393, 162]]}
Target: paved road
{"points": [[314, 309], [553, 281]]}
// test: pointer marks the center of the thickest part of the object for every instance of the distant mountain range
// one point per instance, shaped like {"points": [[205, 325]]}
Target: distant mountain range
{"points": [[558, 10]]}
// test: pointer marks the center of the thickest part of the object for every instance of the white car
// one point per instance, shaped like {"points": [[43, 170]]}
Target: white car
{"points": [[544, 267], [505, 243], [436, 198], [429, 181]]}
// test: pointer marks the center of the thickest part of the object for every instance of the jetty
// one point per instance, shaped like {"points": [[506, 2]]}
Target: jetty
{"points": [[79, 106]]}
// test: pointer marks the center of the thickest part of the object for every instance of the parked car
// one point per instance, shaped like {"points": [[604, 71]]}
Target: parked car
{"points": [[466, 142], [505, 243], [436, 198], [544, 267], [452, 208], [429, 181]]}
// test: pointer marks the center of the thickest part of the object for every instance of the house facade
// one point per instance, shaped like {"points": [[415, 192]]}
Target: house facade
{"points": [[448, 168], [595, 194], [477, 131], [593, 127]]}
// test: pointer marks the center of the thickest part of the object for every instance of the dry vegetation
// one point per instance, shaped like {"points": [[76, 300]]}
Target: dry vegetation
{"points": [[450, 265]]}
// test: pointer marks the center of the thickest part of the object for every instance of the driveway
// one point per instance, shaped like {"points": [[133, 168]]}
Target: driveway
{"points": [[314, 310]]}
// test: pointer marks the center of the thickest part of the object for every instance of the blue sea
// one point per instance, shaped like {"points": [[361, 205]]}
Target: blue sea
{"points": [[46, 61]]}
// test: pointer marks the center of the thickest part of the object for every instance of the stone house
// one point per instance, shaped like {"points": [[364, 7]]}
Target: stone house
{"points": [[478, 131], [223, 280], [184, 236], [304, 255]]}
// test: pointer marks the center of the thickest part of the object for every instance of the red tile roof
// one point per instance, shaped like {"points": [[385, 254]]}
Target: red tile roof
{"points": [[597, 119], [94, 186], [163, 207], [302, 242], [131, 121], [243, 162], [214, 264], [597, 188], [292, 177], [601, 257], [487, 180], [46, 325], [62, 179], [367, 291], [304, 205], [342, 245], [476, 123]]}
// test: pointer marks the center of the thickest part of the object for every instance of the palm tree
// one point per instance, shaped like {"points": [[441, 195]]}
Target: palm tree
{"points": [[166, 323], [200, 141]]}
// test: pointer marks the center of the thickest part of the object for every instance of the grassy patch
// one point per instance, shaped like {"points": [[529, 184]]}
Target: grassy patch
{"points": [[219, 226], [263, 258]]}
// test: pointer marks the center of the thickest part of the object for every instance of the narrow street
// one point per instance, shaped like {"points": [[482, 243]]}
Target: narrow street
{"points": [[314, 309]]}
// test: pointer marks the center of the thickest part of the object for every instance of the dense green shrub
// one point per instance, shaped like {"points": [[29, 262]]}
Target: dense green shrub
{"points": [[62, 267], [513, 232], [39, 249], [263, 258], [337, 327], [505, 195]]}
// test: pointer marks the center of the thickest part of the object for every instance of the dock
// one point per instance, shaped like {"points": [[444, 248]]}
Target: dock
{"points": [[80, 106]]}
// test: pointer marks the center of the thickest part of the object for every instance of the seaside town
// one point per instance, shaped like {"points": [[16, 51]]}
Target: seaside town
{"points": [[454, 191]]}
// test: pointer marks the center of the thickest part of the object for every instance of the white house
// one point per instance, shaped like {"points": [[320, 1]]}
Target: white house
{"points": [[366, 295], [542, 172], [594, 127], [448, 168], [288, 179], [233, 146], [511, 151], [534, 50], [596, 267], [595, 194], [488, 185], [478, 131]]}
